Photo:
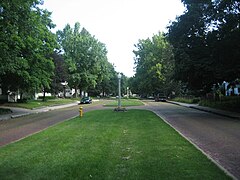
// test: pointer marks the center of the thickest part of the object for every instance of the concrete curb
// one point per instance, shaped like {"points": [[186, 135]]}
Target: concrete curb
{"points": [[20, 115], [34, 111], [198, 148], [217, 113], [209, 110]]}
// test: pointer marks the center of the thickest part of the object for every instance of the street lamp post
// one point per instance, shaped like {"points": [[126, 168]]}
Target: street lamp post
{"points": [[119, 91]]}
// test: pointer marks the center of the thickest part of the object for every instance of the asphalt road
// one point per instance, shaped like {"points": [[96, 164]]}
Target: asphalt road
{"points": [[217, 136]]}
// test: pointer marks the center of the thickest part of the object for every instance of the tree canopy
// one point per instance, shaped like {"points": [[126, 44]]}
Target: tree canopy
{"points": [[86, 58], [26, 43], [60, 73], [205, 42], [154, 66]]}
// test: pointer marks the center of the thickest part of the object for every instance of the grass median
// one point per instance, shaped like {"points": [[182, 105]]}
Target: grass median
{"points": [[125, 103], [104, 144]]}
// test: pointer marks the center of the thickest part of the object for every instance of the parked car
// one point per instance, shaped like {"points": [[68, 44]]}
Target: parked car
{"points": [[161, 97], [86, 100]]}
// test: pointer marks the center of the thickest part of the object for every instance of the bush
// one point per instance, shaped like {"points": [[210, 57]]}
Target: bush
{"points": [[195, 100], [24, 100], [231, 103], [189, 100], [5, 111], [47, 97]]}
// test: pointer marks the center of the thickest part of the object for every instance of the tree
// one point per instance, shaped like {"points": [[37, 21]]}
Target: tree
{"points": [[60, 73], [205, 43], [85, 55], [224, 39], [26, 43], [188, 38], [154, 66], [108, 84]]}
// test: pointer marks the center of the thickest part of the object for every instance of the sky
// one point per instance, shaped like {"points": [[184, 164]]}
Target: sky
{"points": [[119, 24]]}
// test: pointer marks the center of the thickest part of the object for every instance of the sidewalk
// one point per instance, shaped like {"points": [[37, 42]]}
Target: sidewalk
{"points": [[18, 112], [229, 114]]}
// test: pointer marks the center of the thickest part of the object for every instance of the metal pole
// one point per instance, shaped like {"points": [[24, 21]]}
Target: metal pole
{"points": [[119, 93]]}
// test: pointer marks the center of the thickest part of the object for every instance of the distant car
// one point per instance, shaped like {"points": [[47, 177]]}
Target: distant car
{"points": [[150, 97], [161, 97], [86, 100]]}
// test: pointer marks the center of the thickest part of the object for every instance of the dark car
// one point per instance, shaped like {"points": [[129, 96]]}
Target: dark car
{"points": [[86, 100], [161, 97]]}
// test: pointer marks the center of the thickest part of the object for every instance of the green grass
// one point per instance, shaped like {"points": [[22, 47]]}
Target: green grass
{"points": [[4, 111], [104, 144], [39, 103], [125, 103]]}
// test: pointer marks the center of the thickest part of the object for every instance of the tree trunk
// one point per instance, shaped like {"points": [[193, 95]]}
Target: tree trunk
{"points": [[103, 91], [21, 95], [64, 92], [44, 94], [81, 93], [4, 96], [76, 92]]}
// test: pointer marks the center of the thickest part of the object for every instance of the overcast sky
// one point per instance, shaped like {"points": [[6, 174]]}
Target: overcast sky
{"points": [[117, 23]]}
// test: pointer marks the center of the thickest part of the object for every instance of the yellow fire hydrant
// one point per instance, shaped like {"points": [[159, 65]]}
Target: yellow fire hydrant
{"points": [[80, 111]]}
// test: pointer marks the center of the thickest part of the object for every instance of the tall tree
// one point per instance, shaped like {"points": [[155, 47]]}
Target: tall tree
{"points": [[188, 37], [154, 65], [85, 56], [224, 37], [26, 43], [107, 85], [205, 43], [60, 73]]}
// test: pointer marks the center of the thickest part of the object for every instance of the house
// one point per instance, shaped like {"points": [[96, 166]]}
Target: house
{"points": [[232, 88]]}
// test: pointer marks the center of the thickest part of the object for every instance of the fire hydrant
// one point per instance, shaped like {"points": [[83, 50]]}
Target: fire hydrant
{"points": [[80, 111]]}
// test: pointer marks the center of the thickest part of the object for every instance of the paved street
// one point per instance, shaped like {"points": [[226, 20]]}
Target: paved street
{"points": [[217, 136]]}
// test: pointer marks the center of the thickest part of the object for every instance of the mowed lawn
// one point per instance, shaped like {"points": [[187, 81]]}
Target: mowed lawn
{"points": [[39, 103], [105, 144], [125, 103]]}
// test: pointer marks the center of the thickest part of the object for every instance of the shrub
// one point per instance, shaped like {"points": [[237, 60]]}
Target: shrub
{"points": [[24, 100], [231, 103], [5, 111], [189, 100], [47, 97]]}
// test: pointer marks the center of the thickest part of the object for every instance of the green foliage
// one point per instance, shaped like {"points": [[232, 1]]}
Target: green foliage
{"points": [[60, 73], [189, 100], [135, 144], [26, 43], [85, 56], [108, 85], [225, 103], [205, 42], [47, 97], [154, 66], [5, 111]]}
